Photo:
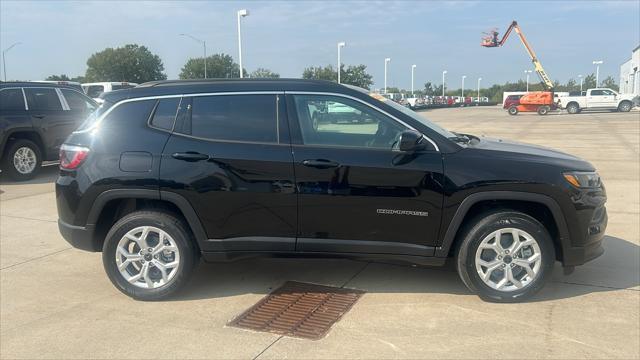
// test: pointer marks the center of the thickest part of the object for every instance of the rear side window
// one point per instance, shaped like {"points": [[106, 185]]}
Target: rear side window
{"points": [[77, 101], [250, 118], [597, 92], [43, 99], [11, 99], [165, 113], [129, 113]]}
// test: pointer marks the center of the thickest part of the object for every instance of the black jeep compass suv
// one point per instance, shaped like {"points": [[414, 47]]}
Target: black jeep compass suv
{"points": [[168, 172]]}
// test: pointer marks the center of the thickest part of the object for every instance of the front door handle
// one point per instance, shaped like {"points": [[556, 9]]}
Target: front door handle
{"points": [[320, 163], [39, 116], [190, 156]]}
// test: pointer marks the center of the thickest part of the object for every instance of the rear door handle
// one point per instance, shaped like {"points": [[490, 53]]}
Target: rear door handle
{"points": [[190, 156], [320, 163]]}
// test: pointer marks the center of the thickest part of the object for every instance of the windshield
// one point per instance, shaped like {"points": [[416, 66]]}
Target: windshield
{"points": [[440, 130]]}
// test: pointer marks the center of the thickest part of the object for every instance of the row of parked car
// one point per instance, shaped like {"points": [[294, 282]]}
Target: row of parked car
{"points": [[37, 116], [574, 102], [427, 101]]}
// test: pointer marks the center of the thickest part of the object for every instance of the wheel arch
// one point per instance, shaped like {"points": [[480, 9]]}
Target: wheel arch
{"points": [[23, 133], [112, 205], [542, 207]]}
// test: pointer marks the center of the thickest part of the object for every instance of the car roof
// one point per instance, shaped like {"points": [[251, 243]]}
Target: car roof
{"points": [[12, 84], [110, 82], [174, 87]]}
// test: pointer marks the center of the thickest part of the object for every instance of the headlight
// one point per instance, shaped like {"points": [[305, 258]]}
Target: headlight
{"points": [[583, 179]]}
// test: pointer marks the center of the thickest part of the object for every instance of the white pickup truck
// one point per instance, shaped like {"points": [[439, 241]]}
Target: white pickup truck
{"points": [[596, 99]]}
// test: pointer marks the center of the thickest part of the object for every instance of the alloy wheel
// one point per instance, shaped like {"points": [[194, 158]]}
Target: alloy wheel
{"points": [[508, 259], [147, 257], [24, 160]]}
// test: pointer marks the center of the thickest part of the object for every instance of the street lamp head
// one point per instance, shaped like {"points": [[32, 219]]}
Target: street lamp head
{"points": [[464, 76], [342, 44], [444, 72], [413, 66], [479, 79], [579, 76], [597, 62], [243, 12], [387, 60], [528, 71]]}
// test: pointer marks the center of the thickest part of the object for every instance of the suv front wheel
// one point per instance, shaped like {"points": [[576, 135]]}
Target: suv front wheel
{"points": [[505, 256], [149, 255]]}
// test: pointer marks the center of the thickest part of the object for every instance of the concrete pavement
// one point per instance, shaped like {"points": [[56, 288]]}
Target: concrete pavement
{"points": [[56, 302]]}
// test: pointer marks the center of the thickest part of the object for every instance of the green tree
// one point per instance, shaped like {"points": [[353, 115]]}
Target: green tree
{"points": [[264, 74], [610, 83], [320, 73], [132, 62], [589, 82], [353, 75], [61, 77], [428, 89], [219, 66], [356, 75]]}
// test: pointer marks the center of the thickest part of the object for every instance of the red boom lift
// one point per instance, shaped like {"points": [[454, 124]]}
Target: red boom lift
{"points": [[539, 101]]}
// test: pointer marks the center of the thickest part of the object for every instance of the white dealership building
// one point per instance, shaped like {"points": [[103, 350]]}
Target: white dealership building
{"points": [[630, 74]]}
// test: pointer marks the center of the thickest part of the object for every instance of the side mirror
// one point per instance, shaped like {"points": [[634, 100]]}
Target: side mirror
{"points": [[410, 141]]}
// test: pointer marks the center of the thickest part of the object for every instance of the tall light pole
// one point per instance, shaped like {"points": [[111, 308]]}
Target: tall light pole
{"points": [[597, 64], [204, 45], [462, 95], [527, 72], [386, 61], [443, 72], [413, 68], [581, 79], [241, 13], [479, 88], [340, 45], [4, 63]]}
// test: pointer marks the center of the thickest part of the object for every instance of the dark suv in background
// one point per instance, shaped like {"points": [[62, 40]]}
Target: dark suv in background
{"points": [[167, 172], [35, 118]]}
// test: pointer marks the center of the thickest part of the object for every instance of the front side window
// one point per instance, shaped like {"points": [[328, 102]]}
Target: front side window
{"points": [[77, 102], [11, 99], [43, 99], [247, 118], [338, 121]]}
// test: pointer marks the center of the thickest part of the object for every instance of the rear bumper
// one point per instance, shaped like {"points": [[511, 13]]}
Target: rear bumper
{"points": [[79, 237]]}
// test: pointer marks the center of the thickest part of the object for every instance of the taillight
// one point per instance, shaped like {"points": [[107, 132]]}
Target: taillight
{"points": [[72, 156]]}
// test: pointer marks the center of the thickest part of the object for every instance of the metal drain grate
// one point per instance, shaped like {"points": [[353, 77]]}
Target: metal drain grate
{"points": [[299, 310]]}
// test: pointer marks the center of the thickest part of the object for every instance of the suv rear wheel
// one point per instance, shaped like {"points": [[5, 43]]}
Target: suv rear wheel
{"points": [[149, 255], [505, 256], [22, 160]]}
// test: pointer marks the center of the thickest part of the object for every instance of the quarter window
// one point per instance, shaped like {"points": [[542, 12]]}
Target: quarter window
{"points": [[337, 121], [11, 99], [43, 99], [165, 113], [250, 118], [77, 101], [94, 91]]}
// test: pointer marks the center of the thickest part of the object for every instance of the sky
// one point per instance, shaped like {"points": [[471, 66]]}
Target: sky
{"points": [[287, 36]]}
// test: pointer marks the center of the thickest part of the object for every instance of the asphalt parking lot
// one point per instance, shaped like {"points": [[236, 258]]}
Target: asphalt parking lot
{"points": [[56, 302]]}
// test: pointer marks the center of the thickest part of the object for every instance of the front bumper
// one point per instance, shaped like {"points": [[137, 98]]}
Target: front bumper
{"points": [[592, 247], [79, 237]]}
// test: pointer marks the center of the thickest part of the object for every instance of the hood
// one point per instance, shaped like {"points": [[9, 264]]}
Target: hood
{"points": [[529, 152]]}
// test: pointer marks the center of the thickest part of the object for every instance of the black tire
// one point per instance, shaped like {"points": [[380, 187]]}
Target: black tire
{"points": [[483, 226], [10, 153], [625, 106], [513, 110], [543, 110], [573, 108], [175, 228]]}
